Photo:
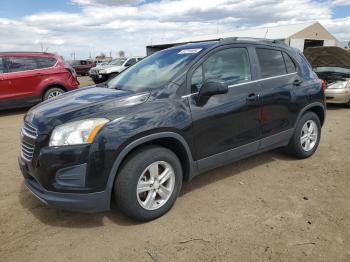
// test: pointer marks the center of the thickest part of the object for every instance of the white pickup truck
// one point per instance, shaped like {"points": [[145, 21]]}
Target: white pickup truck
{"points": [[103, 73]]}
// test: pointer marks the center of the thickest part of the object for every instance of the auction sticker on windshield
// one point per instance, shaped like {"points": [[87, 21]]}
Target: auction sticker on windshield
{"points": [[190, 51]]}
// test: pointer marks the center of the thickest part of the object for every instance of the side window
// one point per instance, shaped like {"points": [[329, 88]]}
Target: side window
{"points": [[229, 65], [291, 68], [197, 80], [21, 63], [2, 65], [45, 62], [271, 62], [131, 61]]}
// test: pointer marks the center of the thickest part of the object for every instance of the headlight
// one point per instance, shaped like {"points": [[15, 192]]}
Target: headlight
{"points": [[77, 132], [338, 85]]}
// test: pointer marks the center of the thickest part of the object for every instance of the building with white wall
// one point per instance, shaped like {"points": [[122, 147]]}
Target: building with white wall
{"points": [[300, 36]]}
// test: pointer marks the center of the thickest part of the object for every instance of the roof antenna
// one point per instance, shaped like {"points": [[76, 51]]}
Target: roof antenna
{"points": [[267, 30]]}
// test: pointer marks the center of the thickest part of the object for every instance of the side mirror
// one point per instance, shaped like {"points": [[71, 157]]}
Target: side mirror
{"points": [[211, 88]]}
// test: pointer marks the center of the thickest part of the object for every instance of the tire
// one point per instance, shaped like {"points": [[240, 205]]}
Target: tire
{"points": [[97, 81], [296, 147], [135, 171], [347, 104], [113, 75], [52, 92]]}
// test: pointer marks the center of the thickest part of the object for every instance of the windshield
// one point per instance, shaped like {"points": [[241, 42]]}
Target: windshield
{"points": [[155, 70], [332, 69], [118, 61]]}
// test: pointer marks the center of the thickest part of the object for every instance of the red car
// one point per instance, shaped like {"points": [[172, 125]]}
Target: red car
{"points": [[27, 78], [82, 67]]}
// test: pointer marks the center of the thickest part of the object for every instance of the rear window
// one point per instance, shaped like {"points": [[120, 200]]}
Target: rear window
{"points": [[271, 62], [21, 63], [45, 62]]}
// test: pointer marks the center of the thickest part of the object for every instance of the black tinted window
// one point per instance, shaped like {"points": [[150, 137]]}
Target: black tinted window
{"points": [[131, 61], [230, 65], [289, 63], [2, 65], [271, 62], [21, 63], [45, 62]]}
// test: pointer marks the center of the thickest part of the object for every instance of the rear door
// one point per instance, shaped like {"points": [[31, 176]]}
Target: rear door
{"points": [[24, 76], [227, 121], [5, 84], [278, 78]]}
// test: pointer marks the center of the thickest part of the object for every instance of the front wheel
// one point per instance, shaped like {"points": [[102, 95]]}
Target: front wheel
{"points": [[306, 136], [148, 183]]}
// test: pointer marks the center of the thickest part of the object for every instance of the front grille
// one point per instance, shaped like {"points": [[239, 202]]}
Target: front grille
{"points": [[94, 71], [27, 151], [29, 130], [27, 148]]}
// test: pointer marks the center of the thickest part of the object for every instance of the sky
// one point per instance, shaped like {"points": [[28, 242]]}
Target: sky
{"points": [[89, 27]]}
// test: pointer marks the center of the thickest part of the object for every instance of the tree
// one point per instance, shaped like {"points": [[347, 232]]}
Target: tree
{"points": [[121, 53]]}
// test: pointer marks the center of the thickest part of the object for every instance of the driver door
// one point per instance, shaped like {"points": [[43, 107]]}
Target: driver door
{"points": [[226, 127]]}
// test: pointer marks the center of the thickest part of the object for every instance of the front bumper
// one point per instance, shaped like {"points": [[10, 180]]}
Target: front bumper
{"points": [[338, 96], [99, 77], [81, 202]]}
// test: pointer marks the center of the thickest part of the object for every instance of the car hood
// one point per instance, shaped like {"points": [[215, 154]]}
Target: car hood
{"points": [[88, 102], [330, 56], [111, 67]]}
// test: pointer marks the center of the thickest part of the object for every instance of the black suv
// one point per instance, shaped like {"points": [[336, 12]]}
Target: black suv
{"points": [[170, 117]]}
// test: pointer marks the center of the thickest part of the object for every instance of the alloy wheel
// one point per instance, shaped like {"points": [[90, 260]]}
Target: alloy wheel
{"points": [[156, 185], [54, 94], [309, 135]]}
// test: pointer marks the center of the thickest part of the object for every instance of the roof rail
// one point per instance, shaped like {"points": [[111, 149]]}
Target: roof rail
{"points": [[266, 40], [24, 52]]}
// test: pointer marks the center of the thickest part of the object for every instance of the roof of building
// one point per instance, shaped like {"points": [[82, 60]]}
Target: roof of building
{"points": [[276, 32]]}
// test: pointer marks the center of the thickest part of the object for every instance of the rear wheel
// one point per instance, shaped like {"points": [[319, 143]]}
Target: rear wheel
{"points": [[148, 183], [306, 136], [53, 92], [348, 104]]}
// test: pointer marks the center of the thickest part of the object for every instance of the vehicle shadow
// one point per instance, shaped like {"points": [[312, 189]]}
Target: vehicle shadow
{"points": [[61, 218], [336, 107], [16, 111], [240, 166]]}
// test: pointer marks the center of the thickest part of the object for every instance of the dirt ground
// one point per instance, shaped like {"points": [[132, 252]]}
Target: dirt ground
{"points": [[266, 208]]}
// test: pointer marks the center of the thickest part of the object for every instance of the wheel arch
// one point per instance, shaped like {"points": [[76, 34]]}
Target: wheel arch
{"points": [[173, 141], [318, 108], [52, 85]]}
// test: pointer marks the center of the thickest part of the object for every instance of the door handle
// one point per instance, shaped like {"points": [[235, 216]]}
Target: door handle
{"points": [[252, 97]]}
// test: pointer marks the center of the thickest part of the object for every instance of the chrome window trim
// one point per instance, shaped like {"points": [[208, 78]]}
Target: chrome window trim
{"points": [[248, 82]]}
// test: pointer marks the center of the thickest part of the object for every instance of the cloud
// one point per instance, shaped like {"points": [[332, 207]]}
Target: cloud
{"points": [[130, 25], [106, 2], [340, 2]]}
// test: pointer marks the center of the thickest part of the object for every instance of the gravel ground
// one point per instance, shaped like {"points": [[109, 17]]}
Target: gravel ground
{"points": [[266, 208]]}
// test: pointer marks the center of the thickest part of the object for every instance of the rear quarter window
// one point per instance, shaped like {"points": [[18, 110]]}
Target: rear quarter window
{"points": [[271, 62], [290, 65], [45, 62]]}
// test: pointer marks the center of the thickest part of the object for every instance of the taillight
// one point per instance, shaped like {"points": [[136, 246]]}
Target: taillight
{"points": [[323, 84], [72, 71]]}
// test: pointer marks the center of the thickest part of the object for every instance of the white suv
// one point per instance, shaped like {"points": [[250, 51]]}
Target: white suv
{"points": [[103, 73]]}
